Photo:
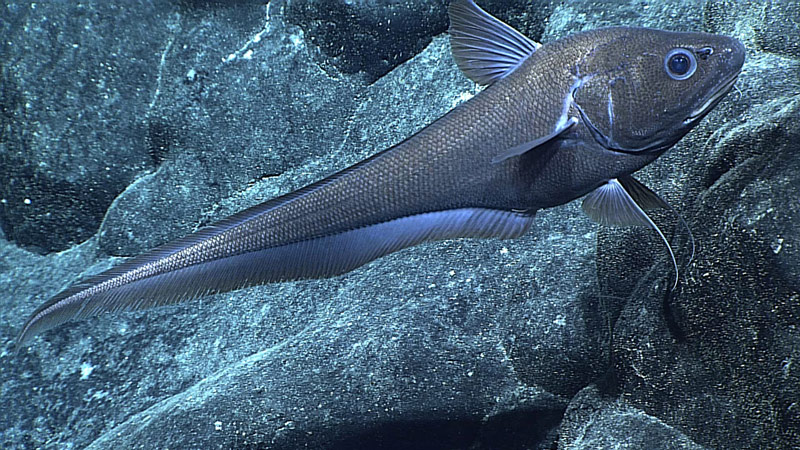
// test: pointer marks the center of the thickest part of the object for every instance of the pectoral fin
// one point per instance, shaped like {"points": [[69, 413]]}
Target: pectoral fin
{"points": [[623, 202], [642, 195], [648, 200], [485, 48], [530, 145]]}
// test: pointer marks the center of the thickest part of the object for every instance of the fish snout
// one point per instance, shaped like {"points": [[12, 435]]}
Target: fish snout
{"points": [[734, 54]]}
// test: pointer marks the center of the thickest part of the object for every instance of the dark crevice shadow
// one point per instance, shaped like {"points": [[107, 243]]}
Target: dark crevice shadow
{"points": [[521, 429]]}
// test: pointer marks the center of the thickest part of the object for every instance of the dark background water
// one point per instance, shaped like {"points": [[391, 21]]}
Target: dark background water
{"points": [[125, 124]]}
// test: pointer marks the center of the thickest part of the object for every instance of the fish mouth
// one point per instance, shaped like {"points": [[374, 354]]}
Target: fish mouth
{"points": [[713, 99]]}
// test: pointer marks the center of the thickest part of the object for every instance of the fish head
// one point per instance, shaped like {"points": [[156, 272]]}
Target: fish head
{"points": [[640, 90]]}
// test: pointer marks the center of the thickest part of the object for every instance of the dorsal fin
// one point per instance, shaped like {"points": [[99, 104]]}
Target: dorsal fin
{"points": [[485, 48]]}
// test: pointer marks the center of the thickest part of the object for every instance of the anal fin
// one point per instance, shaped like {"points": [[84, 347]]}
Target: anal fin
{"points": [[316, 257]]}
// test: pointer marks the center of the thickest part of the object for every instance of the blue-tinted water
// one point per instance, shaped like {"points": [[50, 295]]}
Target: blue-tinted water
{"points": [[127, 124]]}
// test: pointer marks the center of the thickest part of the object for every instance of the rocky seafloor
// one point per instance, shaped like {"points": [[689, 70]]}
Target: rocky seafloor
{"points": [[126, 124]]}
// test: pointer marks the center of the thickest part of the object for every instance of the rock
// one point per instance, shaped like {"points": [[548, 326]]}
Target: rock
{"points": [[580, 15], [779, 28], [235, 109], [67, 152], [458, 344], [773, 25], [592, 422], [366, 37]]}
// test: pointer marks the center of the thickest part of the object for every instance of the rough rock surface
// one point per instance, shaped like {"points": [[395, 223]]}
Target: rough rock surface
{"points": [[592, 421], [127, 124]]}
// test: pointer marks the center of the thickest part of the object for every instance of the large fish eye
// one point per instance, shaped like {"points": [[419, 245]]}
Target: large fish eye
{"points": [[680, 64]]}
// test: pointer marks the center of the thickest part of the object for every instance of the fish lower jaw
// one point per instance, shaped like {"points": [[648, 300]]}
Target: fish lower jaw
{"points": [[712, 101]]}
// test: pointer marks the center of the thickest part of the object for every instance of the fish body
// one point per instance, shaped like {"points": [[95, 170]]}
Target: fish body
{"points": [[556, 122]]}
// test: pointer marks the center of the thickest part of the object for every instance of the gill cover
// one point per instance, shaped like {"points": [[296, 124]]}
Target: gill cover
{"points": [[637, 91]]}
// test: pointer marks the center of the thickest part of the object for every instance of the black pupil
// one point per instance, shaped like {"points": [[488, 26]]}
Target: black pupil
{"points": [[679, 64]]}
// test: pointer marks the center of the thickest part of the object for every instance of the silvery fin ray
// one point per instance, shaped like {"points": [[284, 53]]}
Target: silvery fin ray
{"points": [[555, 122]]}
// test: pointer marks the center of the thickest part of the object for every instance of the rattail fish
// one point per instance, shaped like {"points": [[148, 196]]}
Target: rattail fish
{"points": [[572, 118]]}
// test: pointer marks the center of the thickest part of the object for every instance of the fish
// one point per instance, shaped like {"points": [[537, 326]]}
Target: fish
{"points": [[572, 118]]}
